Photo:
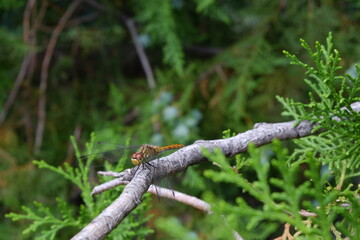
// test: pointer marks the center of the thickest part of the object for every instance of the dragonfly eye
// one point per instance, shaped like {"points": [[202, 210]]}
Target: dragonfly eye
{"points": [[137, 156]]}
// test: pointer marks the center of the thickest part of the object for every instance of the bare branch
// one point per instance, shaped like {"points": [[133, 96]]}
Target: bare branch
{"points": [[262, 134], [30, 6], [180, 197], [141, 53], [16, 87], [108, 185], [135, 38]]}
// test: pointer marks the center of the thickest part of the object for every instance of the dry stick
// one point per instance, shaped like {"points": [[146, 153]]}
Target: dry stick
{"points": [[180, 197], [135, 38], [15, 89], [26, 22], [31, 37], [37, 17], [129, 199], [141, 53], [44, 72]]}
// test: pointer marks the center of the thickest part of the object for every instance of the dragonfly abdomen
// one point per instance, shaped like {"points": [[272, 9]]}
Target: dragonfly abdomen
{"points": [[173, 146]]}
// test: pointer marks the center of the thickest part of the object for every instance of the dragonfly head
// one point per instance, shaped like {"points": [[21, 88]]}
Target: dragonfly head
{"points": [[136, 158]]}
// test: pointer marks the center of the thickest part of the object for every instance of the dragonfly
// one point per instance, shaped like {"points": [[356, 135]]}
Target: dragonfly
{"points": [[148, 152], [142, 156]]}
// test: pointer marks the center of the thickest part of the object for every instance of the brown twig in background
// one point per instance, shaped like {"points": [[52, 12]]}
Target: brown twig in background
{"points": [[15, 89], [29, 36], [30, 7], [140, 181], [32, 37], [141, 53], [129, 23], [45, 69]]}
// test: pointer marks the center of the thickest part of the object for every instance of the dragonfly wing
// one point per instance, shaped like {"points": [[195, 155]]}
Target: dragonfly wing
{"points": [[110, 151], [112, 156], [161, 154]]}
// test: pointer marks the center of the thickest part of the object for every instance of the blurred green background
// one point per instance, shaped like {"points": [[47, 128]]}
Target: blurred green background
{"points": [[72, 68]]}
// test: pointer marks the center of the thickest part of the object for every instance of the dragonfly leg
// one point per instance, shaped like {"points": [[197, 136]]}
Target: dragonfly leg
{"points": [[148, 165], [137, 168]]}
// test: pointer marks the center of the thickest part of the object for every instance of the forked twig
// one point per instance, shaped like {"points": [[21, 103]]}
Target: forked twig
{"points": [[156, 190], [161, 192], [45, 69]]}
